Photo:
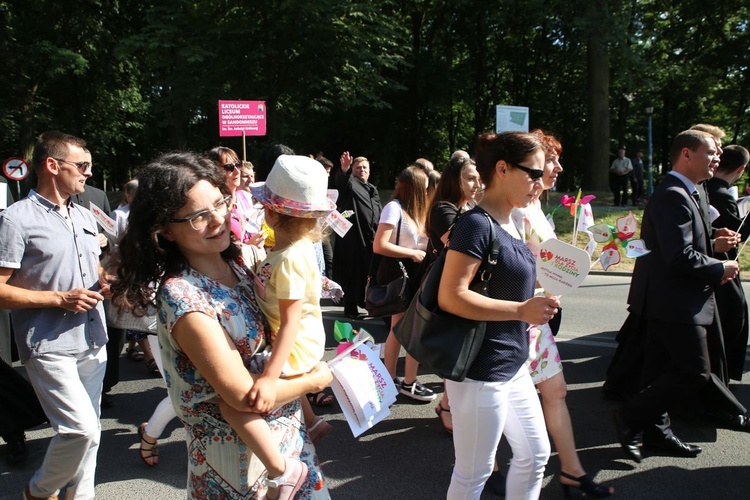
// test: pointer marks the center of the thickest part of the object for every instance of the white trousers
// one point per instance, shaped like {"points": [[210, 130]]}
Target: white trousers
{"points": [[482, 413], [69, 387], [164, 412]]}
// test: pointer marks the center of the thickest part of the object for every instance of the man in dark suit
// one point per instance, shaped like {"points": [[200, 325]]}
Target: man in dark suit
{"points": [[673, 291], [730, 298]]}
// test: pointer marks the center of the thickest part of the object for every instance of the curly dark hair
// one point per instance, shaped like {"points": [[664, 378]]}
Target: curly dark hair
{"points": [[146, 256]]}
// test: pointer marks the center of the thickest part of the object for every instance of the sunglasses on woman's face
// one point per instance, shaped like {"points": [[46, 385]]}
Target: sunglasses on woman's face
{"points": [[534, 173], [229, 167]]}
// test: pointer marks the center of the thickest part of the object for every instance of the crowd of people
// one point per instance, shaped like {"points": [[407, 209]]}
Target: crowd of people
{"points": [[220, 278]]}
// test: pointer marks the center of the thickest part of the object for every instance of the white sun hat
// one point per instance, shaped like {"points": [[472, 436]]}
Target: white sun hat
{"points": [[296, 186]]}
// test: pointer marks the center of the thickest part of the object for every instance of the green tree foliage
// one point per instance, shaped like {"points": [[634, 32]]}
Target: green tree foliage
{"points": [[393, 79]]}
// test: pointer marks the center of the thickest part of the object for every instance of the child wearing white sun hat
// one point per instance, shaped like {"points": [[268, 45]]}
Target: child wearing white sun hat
{"points": [[288, 283]]}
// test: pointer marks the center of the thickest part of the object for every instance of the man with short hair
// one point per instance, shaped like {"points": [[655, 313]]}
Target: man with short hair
{"points": [[673, 291], [50, 279], [620, 173], [353, 252]]}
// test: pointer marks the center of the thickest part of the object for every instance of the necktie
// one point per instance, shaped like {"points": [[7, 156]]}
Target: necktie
{"points": [[697, 198]]}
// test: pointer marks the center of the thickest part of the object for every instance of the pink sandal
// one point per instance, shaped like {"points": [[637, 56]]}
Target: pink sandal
{"points": [[290, 482], [318, 430]]}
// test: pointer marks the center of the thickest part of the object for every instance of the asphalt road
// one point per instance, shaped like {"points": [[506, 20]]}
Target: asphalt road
{"points": [[409, 456]]}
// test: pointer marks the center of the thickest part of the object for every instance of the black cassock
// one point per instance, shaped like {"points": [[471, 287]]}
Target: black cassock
{"points": [[730, 297], [353, 252]]}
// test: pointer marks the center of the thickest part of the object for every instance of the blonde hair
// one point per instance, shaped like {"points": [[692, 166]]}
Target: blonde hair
{"points": [[300, 227]]}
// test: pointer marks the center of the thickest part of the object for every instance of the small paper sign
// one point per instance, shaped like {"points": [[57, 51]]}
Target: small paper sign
{"points": [[339, 223], [3, 196], [636, 248], [626, 226], [713, 213], [609, 257], [601, 233], [362, 385], [590, 246], [743, 205], [561, 267], [107, 223]]}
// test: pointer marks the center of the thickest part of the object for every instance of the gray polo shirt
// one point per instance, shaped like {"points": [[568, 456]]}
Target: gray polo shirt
{"points": [[47, 253]]}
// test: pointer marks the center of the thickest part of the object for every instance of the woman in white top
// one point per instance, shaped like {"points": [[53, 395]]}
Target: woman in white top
{"points": [[407, 210]]}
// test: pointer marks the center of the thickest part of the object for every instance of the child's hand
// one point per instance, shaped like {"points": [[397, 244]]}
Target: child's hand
{"points": [[257, 239], [262, 397]]}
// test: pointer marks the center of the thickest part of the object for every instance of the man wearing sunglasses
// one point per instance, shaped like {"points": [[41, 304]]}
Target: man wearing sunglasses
{"points": [[51, 280]]}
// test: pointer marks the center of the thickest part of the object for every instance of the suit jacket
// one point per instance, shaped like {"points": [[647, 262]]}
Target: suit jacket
{"points": [[729, 214], [675, 282], [730, 297], [93, 194]]}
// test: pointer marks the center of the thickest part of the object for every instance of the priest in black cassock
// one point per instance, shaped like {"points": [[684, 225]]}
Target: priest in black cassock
{"points": [[353, 252]]}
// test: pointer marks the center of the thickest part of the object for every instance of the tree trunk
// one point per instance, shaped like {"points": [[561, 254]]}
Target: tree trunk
{"points": [[596, 171]]}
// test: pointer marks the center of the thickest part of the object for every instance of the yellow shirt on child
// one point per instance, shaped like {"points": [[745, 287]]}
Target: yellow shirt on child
{"points": [[292, 273]]}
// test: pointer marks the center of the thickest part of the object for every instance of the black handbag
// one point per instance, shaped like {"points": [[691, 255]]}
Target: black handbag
{"points": [[444, 343], [393, 297]]}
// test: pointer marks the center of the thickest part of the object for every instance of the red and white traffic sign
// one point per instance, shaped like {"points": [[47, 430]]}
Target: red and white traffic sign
{"points": [[16, 169]]}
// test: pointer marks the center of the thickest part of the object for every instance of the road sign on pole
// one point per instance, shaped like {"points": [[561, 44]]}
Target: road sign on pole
{"points": [[15, 169]]}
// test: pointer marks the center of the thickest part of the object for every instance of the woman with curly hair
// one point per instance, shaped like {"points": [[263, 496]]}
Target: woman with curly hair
{"points": [[209, 326]]}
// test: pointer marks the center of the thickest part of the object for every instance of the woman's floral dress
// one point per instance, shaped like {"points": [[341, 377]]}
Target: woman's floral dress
{"points": [[220, 466], [544, 358]]}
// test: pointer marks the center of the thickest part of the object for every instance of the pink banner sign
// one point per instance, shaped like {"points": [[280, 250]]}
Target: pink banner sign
{"points": [[236, 117]]}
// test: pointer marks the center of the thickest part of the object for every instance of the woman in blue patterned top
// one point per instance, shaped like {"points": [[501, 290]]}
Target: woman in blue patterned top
{"points": [[209, 327], [498, 397]]}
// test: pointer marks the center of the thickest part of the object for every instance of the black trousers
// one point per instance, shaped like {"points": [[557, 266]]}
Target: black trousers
{"points": [[620, 189], [675, 367]]}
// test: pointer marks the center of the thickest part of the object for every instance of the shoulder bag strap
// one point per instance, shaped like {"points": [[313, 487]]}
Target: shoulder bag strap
{"points": [[484, 273]]}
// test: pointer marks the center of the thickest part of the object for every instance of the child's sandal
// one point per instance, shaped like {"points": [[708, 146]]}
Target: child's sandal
{"points": [[318, 430]]}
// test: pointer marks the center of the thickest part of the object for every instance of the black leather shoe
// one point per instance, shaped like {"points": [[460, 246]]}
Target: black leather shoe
{"points": [[739, 423], [673, 446], [628, 438]]}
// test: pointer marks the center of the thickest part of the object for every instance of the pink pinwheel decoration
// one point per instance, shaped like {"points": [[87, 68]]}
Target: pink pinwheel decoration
{"points": [[566, 200]]}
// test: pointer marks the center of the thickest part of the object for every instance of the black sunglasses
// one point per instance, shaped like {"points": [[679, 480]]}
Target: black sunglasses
{"points": [[534, 173], [229, 167]]}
